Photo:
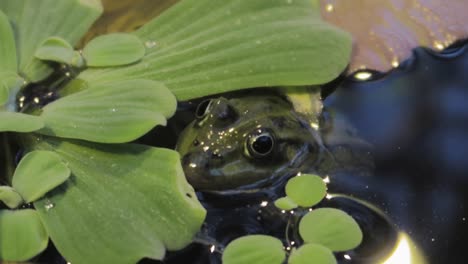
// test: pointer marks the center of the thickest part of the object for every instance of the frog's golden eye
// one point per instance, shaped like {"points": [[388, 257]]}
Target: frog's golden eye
{"points": [[203, 109], [261, 145]]}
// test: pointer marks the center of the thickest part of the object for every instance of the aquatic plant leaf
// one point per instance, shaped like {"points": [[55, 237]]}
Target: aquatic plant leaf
{"points": [[306, 190], [387, 31], [285, 203], [203, 47], [7, 45], [37, 173], [18, 122], [113, 50], [331, 228], [122, 203], [113, 112], [10, 197], [10, 82], [35, 21], [312, 253], [55, 49], [22, 235], [258, 249]]}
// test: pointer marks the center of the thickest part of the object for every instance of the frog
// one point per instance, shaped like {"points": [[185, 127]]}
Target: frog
{"points": [[254, 141]]}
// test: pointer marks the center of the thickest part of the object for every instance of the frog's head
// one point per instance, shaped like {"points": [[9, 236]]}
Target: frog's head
{"points": [[249, 141]]}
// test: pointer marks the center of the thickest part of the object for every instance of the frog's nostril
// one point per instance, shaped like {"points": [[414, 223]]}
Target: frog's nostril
{"points": [[203, 108]]}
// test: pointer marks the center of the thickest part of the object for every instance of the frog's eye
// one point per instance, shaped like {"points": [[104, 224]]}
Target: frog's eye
{"points": [[261, 145], [203, 109]]}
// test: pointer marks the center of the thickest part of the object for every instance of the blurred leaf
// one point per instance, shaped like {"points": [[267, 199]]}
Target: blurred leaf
{"points": [[312, 253], [122, 203], [306, 190], [38, 173], [22, 235], [7, 46], [35, 21], [331, 228], [10, 197], [113, 112], [18, 122], [258, 249], [9, 83], [113, 50], [55, 49], [203, 47], [285, 203]]}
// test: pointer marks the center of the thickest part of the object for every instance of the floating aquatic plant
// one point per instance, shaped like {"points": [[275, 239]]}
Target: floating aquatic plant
{"points": [[97, 197]]}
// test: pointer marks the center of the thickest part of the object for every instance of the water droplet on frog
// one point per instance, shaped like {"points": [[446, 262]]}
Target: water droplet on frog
{"points": [[48, 205], [150, 44]]}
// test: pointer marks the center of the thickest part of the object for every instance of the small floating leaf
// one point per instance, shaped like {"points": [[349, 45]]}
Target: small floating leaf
{"points": [[258, 249], [285, 203], [331, 228], [38, 173], [55, 49], [8, 47], [22, 235], [306, 190], [113, 50], [10, 197], [111, 113], [312, 253], [18, 122], [123, 202]]}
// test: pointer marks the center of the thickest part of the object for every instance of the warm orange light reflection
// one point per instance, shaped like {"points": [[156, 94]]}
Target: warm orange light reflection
{"points": [[405, 252]]}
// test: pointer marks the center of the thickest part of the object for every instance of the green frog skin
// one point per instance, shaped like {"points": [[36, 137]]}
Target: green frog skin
{"points": [[252, 141]]}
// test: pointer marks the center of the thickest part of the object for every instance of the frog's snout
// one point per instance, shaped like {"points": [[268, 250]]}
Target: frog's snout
{"points": [[196, 167]]}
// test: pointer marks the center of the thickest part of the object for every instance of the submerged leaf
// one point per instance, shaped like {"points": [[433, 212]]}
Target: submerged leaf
{"points": [[203, 47], [34, 21], [258, 249], [38, 173], [312, 253], [331, 228], [122, 203], [18, 122], [113, 112], [113, 50], [10, 197], [7, 46], [22, 235], [306, 190]]}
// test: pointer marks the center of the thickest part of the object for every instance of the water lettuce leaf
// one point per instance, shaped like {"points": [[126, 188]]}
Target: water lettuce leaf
{"points": [[312, 253], [23, 235], [122, 203], [35, 21], [258, 249], [204, 47], [306, 190], [113, 112], [10, 197], [19, 122], [7, 47]]}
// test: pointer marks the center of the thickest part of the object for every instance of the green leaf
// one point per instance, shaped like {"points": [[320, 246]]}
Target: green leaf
{"points": [[10, 83], [18, 122], [113, 50], [55, 49], [111, 113], [22, 235], [7, 47], [35, 21], [258, 249], [38, 173], [306, 190], [312, 253], [203, 47], [122, 203], [331, 228], [10, 197], [285, 203]]}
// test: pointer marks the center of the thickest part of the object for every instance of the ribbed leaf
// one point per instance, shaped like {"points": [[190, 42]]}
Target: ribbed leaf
{"points": [[258, 249], [55, 49], [122, 203], [22, 235], [306, 190], [38, 173], [10, 197], [18, 122], [113, 50], [34, 21], [7, 45], [285, 203], [10, 82], [112, 113], [202, 47], [312, 253]]}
